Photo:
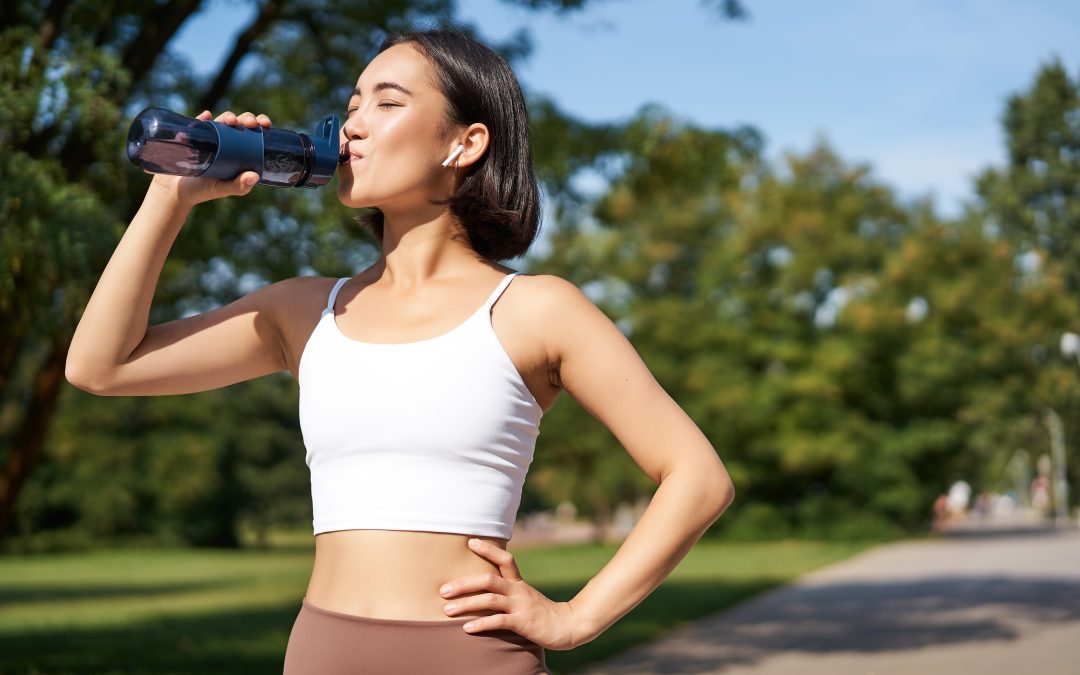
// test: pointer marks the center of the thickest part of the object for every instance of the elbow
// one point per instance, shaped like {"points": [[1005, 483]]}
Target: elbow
{"points": [[80, 379], [724, 490]]}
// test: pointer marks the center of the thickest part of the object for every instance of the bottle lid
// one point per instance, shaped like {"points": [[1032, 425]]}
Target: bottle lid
{"points": [[327, 152]]}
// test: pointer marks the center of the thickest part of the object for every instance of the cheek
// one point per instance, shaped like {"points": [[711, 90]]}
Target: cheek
{"points": [[403, 138], [400, 159]]}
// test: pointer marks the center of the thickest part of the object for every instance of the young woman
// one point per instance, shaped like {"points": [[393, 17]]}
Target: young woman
{"points": [[422, 380]]}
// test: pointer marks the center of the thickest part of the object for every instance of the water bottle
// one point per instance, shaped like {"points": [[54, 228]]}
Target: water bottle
{"points": [[162, 141]]}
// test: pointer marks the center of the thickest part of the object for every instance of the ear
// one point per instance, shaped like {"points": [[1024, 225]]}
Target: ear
{"points": [[475, 139]]}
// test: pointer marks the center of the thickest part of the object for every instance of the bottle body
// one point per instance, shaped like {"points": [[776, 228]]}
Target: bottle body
{"points": [[162, 141], [286, 157]]}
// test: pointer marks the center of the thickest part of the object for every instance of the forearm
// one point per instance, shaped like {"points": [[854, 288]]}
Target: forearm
{"points": [[116, 316], [683, 507]]}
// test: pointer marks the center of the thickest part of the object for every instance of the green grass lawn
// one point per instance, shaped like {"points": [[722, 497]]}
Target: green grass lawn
{"points": [[209, 611]]}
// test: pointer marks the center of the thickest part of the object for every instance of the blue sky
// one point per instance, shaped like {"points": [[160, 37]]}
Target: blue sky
{"points": [[914, 88]]}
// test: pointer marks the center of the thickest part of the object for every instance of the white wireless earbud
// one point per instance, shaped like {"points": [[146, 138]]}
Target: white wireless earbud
{"points": [[453, 155]]}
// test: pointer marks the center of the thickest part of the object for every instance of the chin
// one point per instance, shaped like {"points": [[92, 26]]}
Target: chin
{"points": [[347, 198]]}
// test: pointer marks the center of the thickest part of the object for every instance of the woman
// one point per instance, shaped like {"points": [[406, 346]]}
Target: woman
{"points": [[420, 400]]}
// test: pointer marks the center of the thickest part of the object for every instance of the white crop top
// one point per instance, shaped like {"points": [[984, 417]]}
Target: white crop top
{"points": [[434, 435]]}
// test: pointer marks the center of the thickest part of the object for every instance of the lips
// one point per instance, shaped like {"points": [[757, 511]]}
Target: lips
{"points": [[348, 154]]}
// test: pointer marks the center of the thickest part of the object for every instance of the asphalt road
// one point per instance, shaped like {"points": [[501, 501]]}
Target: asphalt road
{"points": [[981, 603]]}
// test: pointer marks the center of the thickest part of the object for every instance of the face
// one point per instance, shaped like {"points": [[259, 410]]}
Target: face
{"points": [[392, 122]]}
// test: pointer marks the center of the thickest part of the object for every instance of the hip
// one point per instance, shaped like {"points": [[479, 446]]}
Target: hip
{"points": [[333, 643]]}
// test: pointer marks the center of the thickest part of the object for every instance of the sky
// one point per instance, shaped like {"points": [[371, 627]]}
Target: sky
{"points": [[916, 89]]}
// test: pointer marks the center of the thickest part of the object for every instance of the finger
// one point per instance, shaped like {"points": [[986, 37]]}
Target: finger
{"points": [[475, 602], [501, 557], [227, 117], [477, 582], [204, 115], [493, 622], [263, 119], [248, 119]]}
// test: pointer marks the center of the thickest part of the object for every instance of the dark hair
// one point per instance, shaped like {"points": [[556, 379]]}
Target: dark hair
{"points": [[498, 202]]}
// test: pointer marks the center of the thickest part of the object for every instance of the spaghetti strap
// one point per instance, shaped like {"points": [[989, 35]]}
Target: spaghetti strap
{"points": [[499, 289], [334, 292]]}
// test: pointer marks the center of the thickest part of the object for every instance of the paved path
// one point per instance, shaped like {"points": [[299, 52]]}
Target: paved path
{"points": [[1007, 603]]}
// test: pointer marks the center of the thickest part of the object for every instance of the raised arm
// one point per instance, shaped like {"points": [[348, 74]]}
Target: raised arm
{"points": [[114, 352]]}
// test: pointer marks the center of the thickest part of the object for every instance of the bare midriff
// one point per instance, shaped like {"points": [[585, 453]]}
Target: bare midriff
{"points": [[394, 574]]}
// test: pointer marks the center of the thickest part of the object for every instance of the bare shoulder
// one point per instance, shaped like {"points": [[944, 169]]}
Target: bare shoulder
{"points": [[303, 288], [548, 285], [551, 297], [295, 305], [549, 292], [563, 314], [284, 298]]}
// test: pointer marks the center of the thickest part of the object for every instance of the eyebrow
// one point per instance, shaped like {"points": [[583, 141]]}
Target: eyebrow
{"points": [[384, 85]]}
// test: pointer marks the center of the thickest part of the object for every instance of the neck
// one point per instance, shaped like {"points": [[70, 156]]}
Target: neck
{"points": [[422, 247]]}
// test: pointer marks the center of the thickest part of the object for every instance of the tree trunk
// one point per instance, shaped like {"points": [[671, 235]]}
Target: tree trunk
{"points": [[32, 430]]}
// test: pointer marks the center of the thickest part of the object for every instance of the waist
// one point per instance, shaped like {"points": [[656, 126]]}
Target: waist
{"points": [[394, 574]]}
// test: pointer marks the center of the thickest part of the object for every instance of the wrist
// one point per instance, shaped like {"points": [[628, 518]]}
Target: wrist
{"points": [[164, 190], [584, 629]]}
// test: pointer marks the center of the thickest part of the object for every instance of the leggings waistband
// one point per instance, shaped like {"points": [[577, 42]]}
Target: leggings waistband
{"points": [[428, 623]]}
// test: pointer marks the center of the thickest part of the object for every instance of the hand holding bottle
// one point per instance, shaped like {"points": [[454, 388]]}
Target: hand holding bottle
{"points": [[192, 190]]}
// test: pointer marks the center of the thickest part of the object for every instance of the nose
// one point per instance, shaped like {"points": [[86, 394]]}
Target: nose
{"points": [[354, 126]]}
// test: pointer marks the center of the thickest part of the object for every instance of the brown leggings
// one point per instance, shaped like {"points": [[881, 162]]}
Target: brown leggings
{"points": [[324, 642]]}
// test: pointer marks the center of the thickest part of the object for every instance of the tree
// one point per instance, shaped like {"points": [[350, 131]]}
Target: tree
{"points": [[1033, 203], [845, 353]]}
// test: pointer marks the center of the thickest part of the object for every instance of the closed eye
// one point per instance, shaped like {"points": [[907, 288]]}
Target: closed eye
{"points": [[380, 105]]}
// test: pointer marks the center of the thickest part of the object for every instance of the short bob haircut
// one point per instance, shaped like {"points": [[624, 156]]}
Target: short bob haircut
{"points": [[498, 202]]}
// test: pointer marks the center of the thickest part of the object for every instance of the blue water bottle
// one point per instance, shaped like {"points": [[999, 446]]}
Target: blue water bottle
{"points": [[162, 141]]}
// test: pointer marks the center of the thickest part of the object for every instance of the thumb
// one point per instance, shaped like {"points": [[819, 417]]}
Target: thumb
{"points": [[246, 181]]}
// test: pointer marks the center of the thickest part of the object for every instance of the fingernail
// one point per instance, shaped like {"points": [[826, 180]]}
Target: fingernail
{"points": [[445, 589], [474, 542], [468, 626]]}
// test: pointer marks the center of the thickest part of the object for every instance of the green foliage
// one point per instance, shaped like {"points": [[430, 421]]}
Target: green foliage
{"points": [[1032, 203], [175, 469], [847, 355], [1032, 200]]}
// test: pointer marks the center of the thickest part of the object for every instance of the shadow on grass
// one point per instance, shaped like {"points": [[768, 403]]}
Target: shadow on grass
{"points": [[248, 641], [254, 640]]}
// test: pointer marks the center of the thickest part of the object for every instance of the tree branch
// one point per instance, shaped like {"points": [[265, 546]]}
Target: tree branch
{"points": [[157, 30], [50, 27], [268, 13]]}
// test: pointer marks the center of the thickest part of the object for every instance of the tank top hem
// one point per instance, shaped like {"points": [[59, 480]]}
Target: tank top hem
{"points": [[376, 522]]}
